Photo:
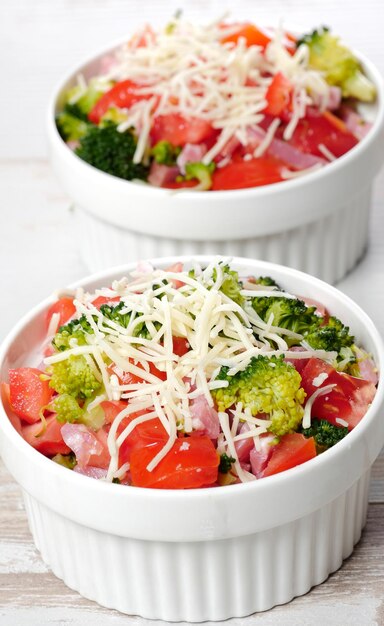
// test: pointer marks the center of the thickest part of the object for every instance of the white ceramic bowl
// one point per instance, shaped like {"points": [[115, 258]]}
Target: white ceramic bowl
{"points": [[317, 223], [204, 554]]}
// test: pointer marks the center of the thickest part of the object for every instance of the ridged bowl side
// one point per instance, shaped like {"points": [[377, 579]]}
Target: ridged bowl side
{"points": [[199, 581], [327, 248]]}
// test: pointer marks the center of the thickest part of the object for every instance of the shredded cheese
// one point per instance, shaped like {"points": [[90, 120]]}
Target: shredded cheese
{"points": [[186, 69], [308, 407], [217, 332]]}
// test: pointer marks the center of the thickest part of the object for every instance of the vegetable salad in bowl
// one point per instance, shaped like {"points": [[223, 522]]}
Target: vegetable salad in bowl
{"points": [[217, 107], [190, 377]]}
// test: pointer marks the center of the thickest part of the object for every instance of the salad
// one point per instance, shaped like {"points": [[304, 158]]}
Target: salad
{"points": [[217, 107], [192, 378]]}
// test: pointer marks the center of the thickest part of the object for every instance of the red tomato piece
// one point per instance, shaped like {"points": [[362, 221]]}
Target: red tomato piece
{"points": [[179, 130], [5, 396], [145, 434], [122, 95], [240, 174], [64, 307], [349, 400], [292, 450], [100, 300], [335, 121], [252, 35], [28, 393], [46, 439], [176, 268], [316, 129], [180, 346], [192, 462], [298, 364], [112, 408], [278, 95]]}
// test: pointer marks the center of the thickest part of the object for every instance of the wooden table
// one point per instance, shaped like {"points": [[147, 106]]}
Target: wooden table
{"points": [[39, 252]]}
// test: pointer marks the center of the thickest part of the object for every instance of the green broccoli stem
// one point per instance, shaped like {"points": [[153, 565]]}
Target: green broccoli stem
{"points": [[359, 86], [202, 172]]}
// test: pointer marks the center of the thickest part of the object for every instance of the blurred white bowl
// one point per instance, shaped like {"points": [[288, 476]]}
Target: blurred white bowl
{"points": [[204, 554], [317, 223]]}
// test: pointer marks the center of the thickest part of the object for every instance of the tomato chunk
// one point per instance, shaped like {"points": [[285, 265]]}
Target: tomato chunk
{"points": [[180, 346], [122, 95], [112, 408], [179, 130], [100, 300], [28, 394], [349, 400], [278, 95], [192, 462], [252, 35], [147, 433], [253, 173], [292, 450], [318, 129], [47, 438], [64, 307]]}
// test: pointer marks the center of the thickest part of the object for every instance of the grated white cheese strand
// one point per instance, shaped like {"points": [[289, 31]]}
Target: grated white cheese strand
{"points": [[266, 142], [243, 475], [326, 152], [98, 400], [53, 325], [318, 380], [306, 423], [342, 422], [188, 71]]}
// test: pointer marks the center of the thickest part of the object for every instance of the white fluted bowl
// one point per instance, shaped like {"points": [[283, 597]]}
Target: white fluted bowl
{"points": [[317, 223], [204, 554]]}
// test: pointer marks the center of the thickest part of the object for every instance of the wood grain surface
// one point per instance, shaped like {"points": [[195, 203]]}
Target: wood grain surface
{"points": [[39, 252]]}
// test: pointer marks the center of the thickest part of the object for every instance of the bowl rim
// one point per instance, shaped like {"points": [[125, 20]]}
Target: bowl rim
{"points": [[253, 192], [101, 487]]}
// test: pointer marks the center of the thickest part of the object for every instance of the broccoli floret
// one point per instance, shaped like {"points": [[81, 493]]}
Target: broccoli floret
{"points": [[165, 153], [75, 329], [325, 434], [289, 313], [338, 64], [67, 408], [202, 172], [79, 328], [73, 376], [268, 385], [66, 460], [225, 464], [114, 313], [268, 282], [111, 151], [231, 285], [70, 127], [333, 336]]}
